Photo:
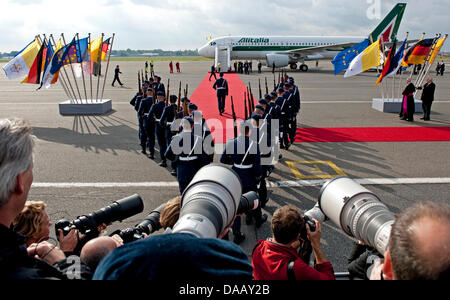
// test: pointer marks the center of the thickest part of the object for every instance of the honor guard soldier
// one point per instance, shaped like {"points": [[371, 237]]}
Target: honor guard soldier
{"points": [[187, 149], [148, 124], [284, 119], [296, 102], [159, 86], [167, 120], [181, 112], [201, 129], [244, 155], [156, 113], [221, 86], [136, 102]]}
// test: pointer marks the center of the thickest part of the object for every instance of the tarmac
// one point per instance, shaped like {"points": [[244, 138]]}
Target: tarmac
{"points": [[85, 163]]}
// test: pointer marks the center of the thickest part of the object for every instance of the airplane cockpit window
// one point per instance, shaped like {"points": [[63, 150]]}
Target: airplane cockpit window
{"points": [[213, 44]]}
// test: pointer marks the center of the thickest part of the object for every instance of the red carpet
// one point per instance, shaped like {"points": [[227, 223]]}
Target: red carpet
{"points": [[222, 126], [377, 134], [206, 100]]}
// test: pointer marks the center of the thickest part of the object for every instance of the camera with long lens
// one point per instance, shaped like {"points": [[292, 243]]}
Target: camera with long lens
{"points": [[148, 226], [211, 202], [117, 211], [357, 211]]}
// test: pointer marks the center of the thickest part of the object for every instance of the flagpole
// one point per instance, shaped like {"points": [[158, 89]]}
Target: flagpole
{"points": [[64, 88], [90, 68], [107, 65], [81, 64], [426, 66], [71, 67], [99, 67], [74, 98]]}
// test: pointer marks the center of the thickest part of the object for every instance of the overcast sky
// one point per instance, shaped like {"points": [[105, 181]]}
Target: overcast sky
{"points": [[185, 24]]}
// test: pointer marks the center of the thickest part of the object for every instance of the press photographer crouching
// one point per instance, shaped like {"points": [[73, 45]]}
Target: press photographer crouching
{"points": [[194, 249], [278, 258], [40, 260]]}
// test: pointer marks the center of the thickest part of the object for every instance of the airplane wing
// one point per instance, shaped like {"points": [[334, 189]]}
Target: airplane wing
{"points": [[314, 50]]}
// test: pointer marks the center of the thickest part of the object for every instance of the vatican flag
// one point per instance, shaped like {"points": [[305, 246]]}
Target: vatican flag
{"points": [[369, 58]]}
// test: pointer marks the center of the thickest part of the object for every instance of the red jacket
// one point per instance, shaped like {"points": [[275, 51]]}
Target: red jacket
{"points": [[270, 261]]}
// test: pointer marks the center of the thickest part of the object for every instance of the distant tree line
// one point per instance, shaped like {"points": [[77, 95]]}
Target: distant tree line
{"points": [[130, 53], [156, 52]]}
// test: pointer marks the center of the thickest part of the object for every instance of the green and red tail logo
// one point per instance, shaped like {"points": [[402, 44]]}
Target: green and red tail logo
{"points": [[388, 28]]}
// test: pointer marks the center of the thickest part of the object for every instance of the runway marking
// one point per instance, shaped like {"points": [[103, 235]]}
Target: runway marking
{"points": [[314, 167], [271, 184]]}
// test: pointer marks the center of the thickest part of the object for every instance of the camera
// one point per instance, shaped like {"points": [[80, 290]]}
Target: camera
{"points": [[211, 202], [148, 226], [357, 211], [117, 211]]}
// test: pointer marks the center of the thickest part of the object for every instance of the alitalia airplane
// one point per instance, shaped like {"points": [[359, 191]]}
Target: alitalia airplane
{"points": [[282, 51]]}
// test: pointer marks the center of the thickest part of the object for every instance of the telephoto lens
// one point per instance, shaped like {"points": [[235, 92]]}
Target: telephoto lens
{"points": [[117, 211], [357, 211], [249, 202], [210, 203]]}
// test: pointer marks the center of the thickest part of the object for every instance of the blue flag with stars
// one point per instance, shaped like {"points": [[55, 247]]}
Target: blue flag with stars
{"points": [[344, 58]]}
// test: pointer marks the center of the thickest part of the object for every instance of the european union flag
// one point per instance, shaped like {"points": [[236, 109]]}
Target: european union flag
{"points": [[344, 58]]}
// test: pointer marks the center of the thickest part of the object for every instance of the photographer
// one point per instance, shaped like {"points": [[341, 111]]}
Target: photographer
{"points": [[33, 223], [418, 245], [278, 258], [39, 261], [97, 249]]}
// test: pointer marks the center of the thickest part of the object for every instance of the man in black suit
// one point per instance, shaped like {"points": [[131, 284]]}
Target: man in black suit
{"points": [[427, 98], [221, 86]]}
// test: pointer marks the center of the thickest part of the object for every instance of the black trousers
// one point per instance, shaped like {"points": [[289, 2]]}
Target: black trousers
{"points": [[116, 78], [426, 110], [149, 127], [212, 74], [161, 137], [221, 102]]}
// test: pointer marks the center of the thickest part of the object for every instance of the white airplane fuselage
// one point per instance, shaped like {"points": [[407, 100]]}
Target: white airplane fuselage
{"points": [[257, 47]]}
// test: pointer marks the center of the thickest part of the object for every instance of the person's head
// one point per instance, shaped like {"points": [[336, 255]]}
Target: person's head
{"points": [[191, 108], [97, 249], [197, 116], [221, 74], [274, 96], [33, 222], [429, 80], [419, 245], [245, 128], [160, 96], [173, 99], [408, 81], [280, 92], [170, 213], [16, 167], [287, 223], [187, 123]]}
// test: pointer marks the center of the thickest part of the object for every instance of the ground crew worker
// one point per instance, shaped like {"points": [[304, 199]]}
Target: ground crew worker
{"points": [[187, 149], [221, 86], [171, 67]]}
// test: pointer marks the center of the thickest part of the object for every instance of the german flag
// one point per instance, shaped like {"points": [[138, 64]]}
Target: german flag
{"points": [[34, 76], [416, 55], [105, 47]]}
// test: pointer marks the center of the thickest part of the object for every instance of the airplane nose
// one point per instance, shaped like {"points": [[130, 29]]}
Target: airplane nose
{"points": [[202, 51]]}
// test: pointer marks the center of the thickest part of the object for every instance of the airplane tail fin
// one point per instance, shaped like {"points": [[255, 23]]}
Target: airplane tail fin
{"points": [[388, 28]]}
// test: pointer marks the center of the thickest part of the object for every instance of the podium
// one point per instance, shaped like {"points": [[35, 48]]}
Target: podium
{"points": [[85, 107], [389, 105]]}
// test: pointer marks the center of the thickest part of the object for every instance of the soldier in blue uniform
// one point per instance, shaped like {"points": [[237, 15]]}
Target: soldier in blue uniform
{"points": [[156, 113], [282, 102], [201, 129], [243, 153], [167, 120], [159, 86], [187, 149], [296, 106], [221, 86], [148, 125], [136, 102]]}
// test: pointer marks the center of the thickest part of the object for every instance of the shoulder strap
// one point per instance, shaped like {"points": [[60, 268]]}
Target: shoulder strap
{"points": [[290, 270]]}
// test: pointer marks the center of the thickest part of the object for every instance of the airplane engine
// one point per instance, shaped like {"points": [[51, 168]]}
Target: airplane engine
{"points": [[280, 60]]}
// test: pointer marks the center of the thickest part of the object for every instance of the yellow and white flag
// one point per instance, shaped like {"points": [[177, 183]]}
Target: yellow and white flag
{"points": [[19, 66], [369, 58], [437, 49]]}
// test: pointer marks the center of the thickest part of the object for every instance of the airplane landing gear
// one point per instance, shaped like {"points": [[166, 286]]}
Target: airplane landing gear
{"points": [[304, 68], [294, 66]]}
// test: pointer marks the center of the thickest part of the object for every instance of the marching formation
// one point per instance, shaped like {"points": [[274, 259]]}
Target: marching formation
{"points": [[183, 136]]}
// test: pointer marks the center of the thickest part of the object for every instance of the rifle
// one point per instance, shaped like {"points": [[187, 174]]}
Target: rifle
{"points": [[187, 90], [168, 92], [250, 111], [260, 92], [185, 107], [139, 83], [267, 87], [146, 76], [274, 83], [142, 76], [251, 94], [234, 118], [179, 99], [245, 104]]}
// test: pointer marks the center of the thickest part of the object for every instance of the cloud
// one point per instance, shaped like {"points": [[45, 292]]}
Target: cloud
{"points": [[185, 24]]}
